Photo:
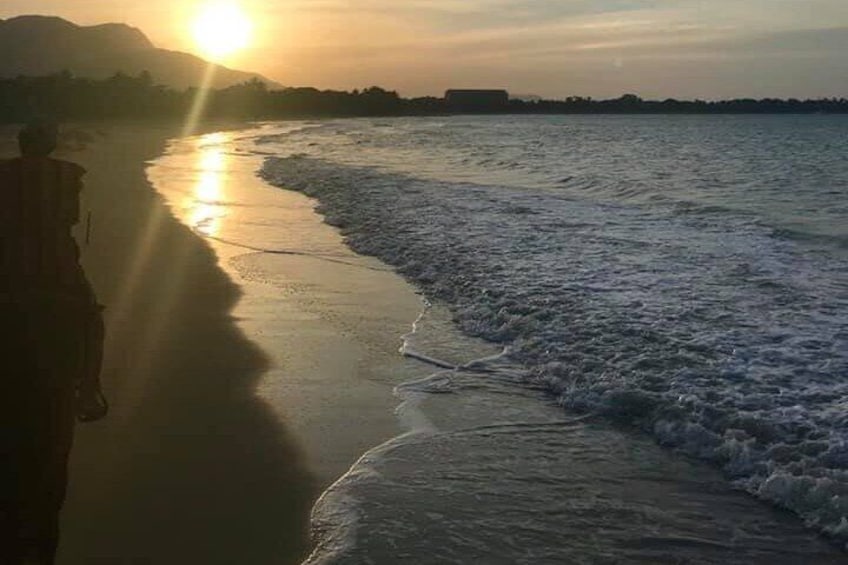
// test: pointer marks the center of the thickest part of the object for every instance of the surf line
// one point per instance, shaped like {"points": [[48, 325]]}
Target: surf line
{"points": [[473, 366], [290, 252], [407, 351], [430, 360]]}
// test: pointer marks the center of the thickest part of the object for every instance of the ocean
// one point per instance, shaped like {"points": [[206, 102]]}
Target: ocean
{"points": [[636, 334]]}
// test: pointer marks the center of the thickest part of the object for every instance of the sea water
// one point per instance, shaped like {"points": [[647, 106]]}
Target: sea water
{"points": [[637, 335]]}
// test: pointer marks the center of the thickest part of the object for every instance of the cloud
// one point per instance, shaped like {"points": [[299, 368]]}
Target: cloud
{"points": [[445, 16], [681, 62], [681, 48], [553, 47]]}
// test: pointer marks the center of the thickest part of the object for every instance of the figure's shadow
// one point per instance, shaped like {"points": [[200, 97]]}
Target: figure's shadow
{"points": [[190, 466]]}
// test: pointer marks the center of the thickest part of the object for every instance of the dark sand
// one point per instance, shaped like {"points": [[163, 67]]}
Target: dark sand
{"points": [[190, 466]]}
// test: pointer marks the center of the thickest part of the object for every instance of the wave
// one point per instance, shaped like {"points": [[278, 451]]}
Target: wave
{"points": [[811, 235], [710, 337]]}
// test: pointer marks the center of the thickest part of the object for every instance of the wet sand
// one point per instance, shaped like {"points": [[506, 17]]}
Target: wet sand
{"points": [[329, 320], [190, 466]]}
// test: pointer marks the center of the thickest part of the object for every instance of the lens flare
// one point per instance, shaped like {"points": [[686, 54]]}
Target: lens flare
{"points": [[221, 29]]}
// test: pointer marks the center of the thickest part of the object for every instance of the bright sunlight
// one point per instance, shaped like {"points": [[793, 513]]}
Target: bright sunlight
{"points": [[221, 29]]}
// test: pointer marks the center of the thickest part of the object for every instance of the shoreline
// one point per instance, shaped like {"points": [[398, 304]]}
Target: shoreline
{"points": [[329, 320], [300, 396]]}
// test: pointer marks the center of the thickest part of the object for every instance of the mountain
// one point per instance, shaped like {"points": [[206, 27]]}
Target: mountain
{"points": [[42, 45]]}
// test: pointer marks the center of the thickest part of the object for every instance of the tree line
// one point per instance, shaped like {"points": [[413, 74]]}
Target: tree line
{"points": [[63, 96]]}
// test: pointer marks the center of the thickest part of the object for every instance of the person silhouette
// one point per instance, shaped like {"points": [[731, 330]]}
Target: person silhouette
{"points": [[51, 343]]}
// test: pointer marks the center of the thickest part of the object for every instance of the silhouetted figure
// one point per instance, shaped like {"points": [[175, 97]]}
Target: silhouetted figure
{"points": [[51, 338]]}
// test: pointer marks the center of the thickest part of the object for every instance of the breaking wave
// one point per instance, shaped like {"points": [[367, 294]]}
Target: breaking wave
{"points": [[713, 333]]}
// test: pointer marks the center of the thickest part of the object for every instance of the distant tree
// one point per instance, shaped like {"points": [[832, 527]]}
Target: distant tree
{"points": [[64, 96], [630, 99]]}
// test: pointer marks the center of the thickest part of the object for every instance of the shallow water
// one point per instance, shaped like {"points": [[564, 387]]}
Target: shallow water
{"points": [[495, 472], [684, 275]]}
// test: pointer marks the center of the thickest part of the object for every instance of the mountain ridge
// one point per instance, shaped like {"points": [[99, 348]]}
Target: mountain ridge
{"points": [[37, 45]]}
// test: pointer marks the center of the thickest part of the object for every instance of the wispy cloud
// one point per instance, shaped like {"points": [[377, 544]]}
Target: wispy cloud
{"points": [[553, 47]]}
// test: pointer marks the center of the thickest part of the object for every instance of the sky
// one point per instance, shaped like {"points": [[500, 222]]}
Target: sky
{"points": [[657, 49]]}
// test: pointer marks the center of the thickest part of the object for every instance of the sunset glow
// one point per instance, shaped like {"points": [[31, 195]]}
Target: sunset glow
{"points": [[601, 48], [221, 29]]}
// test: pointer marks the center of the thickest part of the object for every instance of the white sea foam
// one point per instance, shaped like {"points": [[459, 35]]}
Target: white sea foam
{"points": [[702, 324], [501, 477]]}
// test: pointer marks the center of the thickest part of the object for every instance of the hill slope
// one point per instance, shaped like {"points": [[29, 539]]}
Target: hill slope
{"points": [[40, 45]]}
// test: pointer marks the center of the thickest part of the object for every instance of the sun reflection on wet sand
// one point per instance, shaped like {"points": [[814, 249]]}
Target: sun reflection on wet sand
{"points": [[205, 206]]}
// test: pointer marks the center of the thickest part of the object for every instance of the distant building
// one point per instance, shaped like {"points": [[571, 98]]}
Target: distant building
{"points": [[526, 97], [476, 100]]}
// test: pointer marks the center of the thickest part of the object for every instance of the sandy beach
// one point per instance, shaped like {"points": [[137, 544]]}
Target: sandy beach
{"points": [[194, 464], [251, 359]]}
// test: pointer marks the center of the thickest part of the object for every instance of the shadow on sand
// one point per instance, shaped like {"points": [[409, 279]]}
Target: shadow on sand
{"points": [[190, 466]]}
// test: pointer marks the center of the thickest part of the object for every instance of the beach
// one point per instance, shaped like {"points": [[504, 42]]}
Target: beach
{"points": [[192, 465], [620, 408], [439, 283]]}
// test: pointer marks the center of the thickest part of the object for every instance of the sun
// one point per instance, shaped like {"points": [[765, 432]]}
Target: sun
{"points": [[221, 29]]}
